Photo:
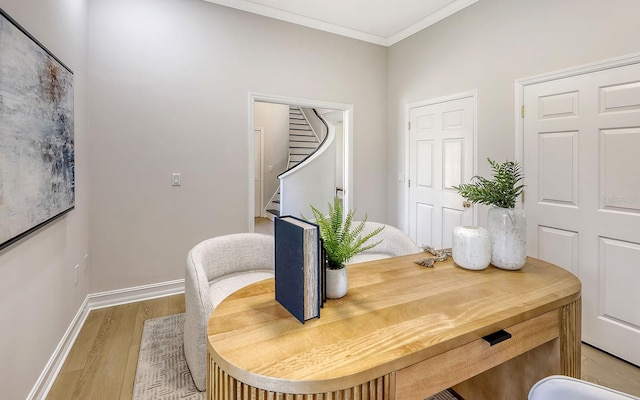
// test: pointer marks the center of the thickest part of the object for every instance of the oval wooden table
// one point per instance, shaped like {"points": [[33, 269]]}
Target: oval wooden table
{"points": [[403, 331]]}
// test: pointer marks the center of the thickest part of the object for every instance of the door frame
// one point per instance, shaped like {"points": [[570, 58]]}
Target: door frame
{"points": [[522, 83], [347, 110], [260, 132], [443, 99]]}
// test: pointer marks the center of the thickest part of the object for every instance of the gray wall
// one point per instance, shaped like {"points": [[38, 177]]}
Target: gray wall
{"points": [[488, 46], [166, 90], [169, 83], [38, 297], [274, 118]]}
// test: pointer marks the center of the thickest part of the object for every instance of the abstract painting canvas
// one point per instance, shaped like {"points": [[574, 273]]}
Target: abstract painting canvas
{"points": [[37, 175]]}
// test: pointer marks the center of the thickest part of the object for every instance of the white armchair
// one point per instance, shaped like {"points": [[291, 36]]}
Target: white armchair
{"points": [[216, 268], [394, 243], [558, 387]]}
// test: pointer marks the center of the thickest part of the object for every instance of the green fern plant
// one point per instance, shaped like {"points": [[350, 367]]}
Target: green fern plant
{"points": [[339, 240], [502, 191]]}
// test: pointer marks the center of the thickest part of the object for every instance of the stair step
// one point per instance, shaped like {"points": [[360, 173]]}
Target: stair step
{"points": [[276, 201], [301, 134], [301, 150], [274, 212], [302, 138], [299, 156]]}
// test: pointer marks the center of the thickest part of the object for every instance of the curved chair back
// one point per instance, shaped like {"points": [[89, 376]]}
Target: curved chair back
{"points": [[231, 254], [234, 256], [559, 387], [394, 243]]}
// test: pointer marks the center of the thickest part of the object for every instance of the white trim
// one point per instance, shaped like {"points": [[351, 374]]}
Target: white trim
{"points": [[309, 22], [520, 85], [130, 295], [438, 16], [262, 205], [92, 302], [347, 109], [443, 99], [56, 361]]}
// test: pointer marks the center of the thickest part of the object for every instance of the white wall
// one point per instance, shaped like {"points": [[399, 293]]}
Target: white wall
{"points": [[488, 46], [274, 119], [169, 83], [38, 296]]}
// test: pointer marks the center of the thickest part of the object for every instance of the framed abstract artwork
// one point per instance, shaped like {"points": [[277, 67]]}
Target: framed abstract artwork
{"points": [[37, 156]]}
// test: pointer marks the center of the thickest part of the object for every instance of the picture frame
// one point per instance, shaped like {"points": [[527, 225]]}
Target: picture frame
{"points": [[37, 148]]}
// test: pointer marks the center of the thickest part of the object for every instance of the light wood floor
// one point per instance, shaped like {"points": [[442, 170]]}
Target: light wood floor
{"points": [[263, 225], [102, 362]]}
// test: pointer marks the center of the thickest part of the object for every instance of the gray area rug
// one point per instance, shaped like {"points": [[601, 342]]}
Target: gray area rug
{"points": [[162, 372]]}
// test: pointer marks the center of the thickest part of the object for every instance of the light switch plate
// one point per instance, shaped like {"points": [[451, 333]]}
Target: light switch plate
{"points": [[176, 179]]}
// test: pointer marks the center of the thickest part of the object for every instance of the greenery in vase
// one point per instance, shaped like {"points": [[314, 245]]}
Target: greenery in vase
{"points": [[501, 191], [339, 240]]}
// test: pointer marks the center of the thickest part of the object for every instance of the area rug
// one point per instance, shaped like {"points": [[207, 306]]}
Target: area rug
{"points": [[162, 372]]}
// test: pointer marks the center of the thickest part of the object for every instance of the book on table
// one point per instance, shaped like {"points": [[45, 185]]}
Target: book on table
{"points": [[299, 267]]}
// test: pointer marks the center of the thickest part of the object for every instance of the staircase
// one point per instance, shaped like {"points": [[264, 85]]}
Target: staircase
{"points": [[302, 143]]}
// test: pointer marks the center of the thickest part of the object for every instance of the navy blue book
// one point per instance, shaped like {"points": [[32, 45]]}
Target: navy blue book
{"points": [[299, 277]]}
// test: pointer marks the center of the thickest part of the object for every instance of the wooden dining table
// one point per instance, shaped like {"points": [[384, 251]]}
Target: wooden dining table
{"points": [[403, 331]]}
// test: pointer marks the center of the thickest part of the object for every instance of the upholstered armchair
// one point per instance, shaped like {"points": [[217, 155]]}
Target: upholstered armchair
{"points": [[560, 387], [216, 268], [394, 243]]}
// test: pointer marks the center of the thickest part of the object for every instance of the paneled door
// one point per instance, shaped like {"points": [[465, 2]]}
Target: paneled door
{"points": [[441, 155], [582, 200]]}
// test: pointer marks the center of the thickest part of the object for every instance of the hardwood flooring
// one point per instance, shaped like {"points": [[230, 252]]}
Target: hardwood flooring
{"points": [[263, 225], [102, 362], [606, 370]]}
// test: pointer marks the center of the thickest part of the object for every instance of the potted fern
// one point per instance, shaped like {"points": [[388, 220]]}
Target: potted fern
{"points": [[341, 241], [506, 224]]}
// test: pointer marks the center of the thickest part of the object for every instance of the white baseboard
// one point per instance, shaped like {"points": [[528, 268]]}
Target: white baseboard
{"points": [[51, 370], [92, 302], [138, 293]]}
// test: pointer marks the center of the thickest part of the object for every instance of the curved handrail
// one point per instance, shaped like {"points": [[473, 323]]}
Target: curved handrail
{"points": [[303, 162], [324, 145]]}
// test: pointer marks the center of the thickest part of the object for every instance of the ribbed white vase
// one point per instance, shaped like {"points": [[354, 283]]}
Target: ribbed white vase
{"points": [[508, 228], [337, 283], [471, 247]]}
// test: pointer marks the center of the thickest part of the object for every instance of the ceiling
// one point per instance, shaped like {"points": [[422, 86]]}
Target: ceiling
{"points": [[382, 22]]}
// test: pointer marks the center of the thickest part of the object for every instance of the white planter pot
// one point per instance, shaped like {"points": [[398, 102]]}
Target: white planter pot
{"points": [[508, 228], [337, 283], [471, 248]]}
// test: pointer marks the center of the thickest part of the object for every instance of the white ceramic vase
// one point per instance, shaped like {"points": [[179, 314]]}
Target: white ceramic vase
{"points": [[508, 228], [471, 248], [337, 283]]}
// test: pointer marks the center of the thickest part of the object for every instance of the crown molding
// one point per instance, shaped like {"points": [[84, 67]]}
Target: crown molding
{"points": [[255, 8]]}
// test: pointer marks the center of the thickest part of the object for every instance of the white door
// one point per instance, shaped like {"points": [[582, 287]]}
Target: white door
{"points": [[441, 155], [257, 175], [582, 201]]}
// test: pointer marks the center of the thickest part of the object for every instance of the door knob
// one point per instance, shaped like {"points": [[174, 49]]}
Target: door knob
{"points": [[466, 204]]}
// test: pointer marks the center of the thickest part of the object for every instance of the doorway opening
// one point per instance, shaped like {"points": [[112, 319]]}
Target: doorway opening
{"points": [[273, 165]]}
